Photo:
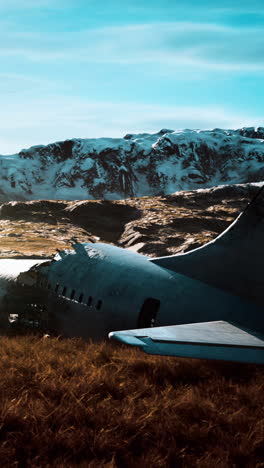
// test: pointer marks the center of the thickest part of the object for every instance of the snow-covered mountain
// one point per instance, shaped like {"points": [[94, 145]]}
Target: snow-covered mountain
{"points": [[136, 165]]}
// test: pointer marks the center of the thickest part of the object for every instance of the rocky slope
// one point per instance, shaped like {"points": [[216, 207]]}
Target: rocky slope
{"points": [[154, 226], [136, 165]]}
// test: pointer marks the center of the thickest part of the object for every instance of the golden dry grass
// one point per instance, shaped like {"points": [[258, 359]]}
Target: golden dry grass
{"points": [[28, 238], [69, 403], [163, 225]]}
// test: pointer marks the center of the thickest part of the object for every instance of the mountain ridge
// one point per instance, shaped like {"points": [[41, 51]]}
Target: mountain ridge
{"points": [[134, 166]]}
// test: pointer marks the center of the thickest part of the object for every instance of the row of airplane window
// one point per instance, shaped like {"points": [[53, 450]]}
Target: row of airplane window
{"points": [[74, 297]]}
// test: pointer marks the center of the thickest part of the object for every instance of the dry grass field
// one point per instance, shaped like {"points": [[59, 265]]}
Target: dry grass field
{"points": [[69, 403]]}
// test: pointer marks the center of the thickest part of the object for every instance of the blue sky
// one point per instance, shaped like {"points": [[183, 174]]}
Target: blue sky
{"points": [[86, 68]]}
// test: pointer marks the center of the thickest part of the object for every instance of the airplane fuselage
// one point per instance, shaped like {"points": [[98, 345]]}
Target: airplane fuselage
{"points": [[98, 288]]}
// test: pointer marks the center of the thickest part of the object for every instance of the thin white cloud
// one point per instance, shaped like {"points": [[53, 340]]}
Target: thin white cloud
{"points": [[239, 10], [15, 85], [179, 44], [40, 121], [32, 4]]}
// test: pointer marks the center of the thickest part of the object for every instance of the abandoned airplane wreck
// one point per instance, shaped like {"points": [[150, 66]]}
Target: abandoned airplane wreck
{"points": [[93, 290]]}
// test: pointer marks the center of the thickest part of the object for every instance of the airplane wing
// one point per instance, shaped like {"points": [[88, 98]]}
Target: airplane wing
{"points": [[207, 340]]}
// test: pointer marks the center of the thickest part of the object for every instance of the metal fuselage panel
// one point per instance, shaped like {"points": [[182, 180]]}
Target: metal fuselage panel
{"points": [[233, 261], [122, 281]]}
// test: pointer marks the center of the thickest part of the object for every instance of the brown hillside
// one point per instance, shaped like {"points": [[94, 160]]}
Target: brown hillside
{"points": [[150, 225]]}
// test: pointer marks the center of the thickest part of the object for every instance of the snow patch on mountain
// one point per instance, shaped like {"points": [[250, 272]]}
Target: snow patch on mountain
{"points": [[136, 165]]}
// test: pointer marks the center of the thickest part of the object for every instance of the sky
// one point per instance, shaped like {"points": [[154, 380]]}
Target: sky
{"points": [[91, 68]]}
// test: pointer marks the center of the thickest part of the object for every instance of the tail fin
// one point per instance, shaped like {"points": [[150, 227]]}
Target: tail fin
{"points": [[234, 260]]}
